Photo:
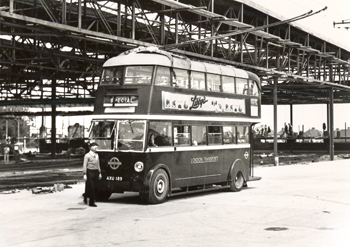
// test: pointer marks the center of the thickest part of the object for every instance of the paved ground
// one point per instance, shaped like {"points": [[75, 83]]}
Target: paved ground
{"points": [[296, 205]]}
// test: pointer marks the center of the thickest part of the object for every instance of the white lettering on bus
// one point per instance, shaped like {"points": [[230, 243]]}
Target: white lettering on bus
{"points": [[200, 160]]}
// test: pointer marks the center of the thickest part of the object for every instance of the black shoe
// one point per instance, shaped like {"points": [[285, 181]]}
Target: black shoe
{"points": [[92, 205], [85, 200]]}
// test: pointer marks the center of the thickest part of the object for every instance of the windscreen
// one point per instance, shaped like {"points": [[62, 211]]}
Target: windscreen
{"points": [[112, 76], [122, 135], [103, 133]]}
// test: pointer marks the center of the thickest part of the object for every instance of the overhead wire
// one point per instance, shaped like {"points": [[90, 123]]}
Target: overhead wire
{"points": [[246, 30]]}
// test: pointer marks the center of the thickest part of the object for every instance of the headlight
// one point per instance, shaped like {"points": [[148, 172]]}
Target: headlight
{"points": [[138, 166]]}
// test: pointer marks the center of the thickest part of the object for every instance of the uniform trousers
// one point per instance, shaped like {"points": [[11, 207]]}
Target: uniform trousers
{"points": [[91, 185]]}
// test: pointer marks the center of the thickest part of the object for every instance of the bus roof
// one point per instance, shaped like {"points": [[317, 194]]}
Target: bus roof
{"points": [[153, 56]]}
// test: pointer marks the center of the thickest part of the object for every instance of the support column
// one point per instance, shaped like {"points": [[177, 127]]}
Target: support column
{"points": [[79, 14], [275, 147], [53, 120], [331, 124], [133, 22], [291, 114]]}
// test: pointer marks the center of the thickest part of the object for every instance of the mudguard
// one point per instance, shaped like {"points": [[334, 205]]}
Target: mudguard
{"points": [[146, 183], [238, 165]]}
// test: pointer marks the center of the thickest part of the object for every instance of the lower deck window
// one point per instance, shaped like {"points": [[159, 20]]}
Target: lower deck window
{"points": [[199, 135], [242, 134], [182, 135], [229, 134], [159, 134], [214, 135]]}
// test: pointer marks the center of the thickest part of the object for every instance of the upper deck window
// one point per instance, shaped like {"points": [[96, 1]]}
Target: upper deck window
{"points": [[228, 84], [163, 76], [242, 86], [138, 75], [254, 90], [213, 83], [112, 76], [198, 80], [180, 78]]}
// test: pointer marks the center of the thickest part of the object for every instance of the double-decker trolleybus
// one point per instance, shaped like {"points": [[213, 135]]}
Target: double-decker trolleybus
{"points": [[167, 125]]}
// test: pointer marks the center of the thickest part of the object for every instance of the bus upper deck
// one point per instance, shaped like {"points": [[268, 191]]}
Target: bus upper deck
{"points": [[151, 81]]}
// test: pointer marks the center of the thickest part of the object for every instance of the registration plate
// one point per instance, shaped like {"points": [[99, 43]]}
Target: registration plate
{"points": [[111, 178]]}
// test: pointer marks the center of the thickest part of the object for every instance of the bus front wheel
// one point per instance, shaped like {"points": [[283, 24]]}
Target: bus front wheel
{"points": [[159, 187], [237, 182]]}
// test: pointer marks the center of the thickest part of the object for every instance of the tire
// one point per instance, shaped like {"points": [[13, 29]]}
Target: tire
{"points": [[159, 187], [237, 182], [102, 195]]}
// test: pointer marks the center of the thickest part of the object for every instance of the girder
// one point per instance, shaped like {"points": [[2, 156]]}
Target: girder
{"points": [[65, 42]]}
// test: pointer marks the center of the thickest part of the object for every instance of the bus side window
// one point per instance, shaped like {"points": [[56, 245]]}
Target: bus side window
{"points": [[241, 86], [181, 135], [199, 135], [229, 134], [213, 83], [198, 80], [180, 78], [242, 134], [214, 135], [161, 132], [228, 84], [163, 76], [254, 88]]}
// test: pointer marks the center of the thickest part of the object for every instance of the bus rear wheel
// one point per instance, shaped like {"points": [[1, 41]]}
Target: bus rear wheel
{"points": [[159, 187], [237, 182]]}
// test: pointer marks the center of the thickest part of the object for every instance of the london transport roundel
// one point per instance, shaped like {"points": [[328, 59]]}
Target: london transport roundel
{"points": [[246, 155], [114, 163]]}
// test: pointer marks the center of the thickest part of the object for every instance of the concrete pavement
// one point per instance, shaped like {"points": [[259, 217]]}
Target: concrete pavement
{"points": [[296, 205]]}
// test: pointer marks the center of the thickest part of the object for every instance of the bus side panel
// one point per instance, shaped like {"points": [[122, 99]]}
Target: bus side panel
{"points": [[231, 155], [198, 167]]}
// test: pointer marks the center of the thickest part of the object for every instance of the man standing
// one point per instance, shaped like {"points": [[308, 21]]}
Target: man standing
{"points": [[7, 154], [92, 173]]}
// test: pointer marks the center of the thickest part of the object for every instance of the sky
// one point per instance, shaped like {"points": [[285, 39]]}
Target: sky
{"points": [[304, 116]]}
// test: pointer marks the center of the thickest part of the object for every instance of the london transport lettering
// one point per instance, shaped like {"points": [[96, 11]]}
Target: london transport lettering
{"points": [[200, 160]]}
